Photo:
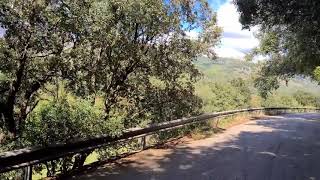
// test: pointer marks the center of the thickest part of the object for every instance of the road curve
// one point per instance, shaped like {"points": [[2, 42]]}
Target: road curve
{"points": [[283, 147]]}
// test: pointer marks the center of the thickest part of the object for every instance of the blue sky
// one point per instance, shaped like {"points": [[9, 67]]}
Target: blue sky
{"points": [[1, 32], [215, 4]]}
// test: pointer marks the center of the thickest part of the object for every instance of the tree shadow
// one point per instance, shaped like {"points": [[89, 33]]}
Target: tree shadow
{"points": [[279, 148]]}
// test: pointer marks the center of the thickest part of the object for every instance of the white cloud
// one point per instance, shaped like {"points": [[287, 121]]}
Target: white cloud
{"points": [[235, 41], [192, 34], [2, 32], [229, 52]]}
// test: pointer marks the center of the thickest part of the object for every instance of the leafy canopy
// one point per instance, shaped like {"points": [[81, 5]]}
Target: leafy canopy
{"points": [[107, 48], [289, 34]]}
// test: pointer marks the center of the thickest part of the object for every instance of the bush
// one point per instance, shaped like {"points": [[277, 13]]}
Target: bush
{"points": [[276, 100], [64, 121], [255, 101], [230, 95], [306, 99]]}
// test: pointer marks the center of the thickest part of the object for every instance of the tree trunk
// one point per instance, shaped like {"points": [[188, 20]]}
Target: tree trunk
{"points": [[80, 159], [9, 112]]}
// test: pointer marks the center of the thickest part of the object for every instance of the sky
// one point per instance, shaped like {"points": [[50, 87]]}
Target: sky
{"points": [[235, 42], [1, 32]]}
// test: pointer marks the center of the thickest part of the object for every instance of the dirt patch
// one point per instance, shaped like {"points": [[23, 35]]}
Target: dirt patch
{"points": [[228, 122]]}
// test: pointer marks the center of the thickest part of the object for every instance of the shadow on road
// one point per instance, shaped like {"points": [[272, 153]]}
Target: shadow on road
{"points": [[281, 148]]}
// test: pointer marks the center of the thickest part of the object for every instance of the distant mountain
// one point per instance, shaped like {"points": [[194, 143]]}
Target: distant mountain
{"points": [[225, 69]]}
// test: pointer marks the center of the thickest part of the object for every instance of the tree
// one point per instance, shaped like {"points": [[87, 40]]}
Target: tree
{"points": [[289, 34], [109, 48], [37, 33], [227, 96]]}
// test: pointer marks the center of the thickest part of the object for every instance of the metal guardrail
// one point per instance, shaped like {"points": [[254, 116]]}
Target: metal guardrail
{"points": [[27, 157]]}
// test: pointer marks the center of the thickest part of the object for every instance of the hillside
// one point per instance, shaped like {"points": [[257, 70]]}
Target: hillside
{"points": [[226, 69]]}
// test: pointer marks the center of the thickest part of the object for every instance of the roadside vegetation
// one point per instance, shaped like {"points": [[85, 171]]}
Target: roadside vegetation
{"points": [[76, 70], [79, 118], [230, 84]]}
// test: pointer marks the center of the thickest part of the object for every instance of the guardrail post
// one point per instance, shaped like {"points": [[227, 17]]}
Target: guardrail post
{"points": [[27, 174], [143, 141], [217, 122]]}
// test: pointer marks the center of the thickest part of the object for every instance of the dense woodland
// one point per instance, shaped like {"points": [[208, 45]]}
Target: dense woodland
{"points": [[230, 84], [75, 69]]}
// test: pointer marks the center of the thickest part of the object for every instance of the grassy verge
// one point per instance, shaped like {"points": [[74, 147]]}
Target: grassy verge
{"points": [[215, 126]]}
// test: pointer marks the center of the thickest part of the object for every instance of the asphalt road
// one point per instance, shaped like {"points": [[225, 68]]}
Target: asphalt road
{"points": [[279, 148]]}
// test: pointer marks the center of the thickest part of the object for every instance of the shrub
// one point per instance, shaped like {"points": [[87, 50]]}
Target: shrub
{"points": [[276, 100], [63, 121], [306, 98], [230, 95]]}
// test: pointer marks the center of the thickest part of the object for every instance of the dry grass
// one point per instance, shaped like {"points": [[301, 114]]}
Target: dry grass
{"points": [[197, 134], [219, 125], [231, 121]]}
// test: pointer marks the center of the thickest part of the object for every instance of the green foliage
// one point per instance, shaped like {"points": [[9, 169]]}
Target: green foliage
{"points": [[270, 90], [224, 69], [11, 175], [275, 100], [307, 99], [62, 121], [298, 99], [289, 35], [255, 101], [224, 96], [316, 74], [170, 103], [63, 117], [107, 52], [99, 48], [130, 63], [243, 87], [265, 84]]}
